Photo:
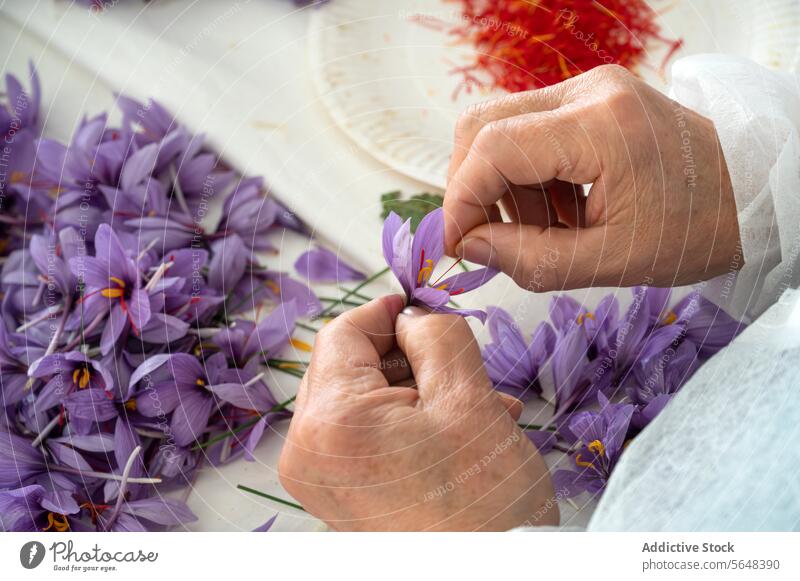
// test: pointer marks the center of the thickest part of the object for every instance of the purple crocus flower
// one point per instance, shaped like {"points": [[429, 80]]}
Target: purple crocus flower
{"points": [[190, 391], [245, 339], [575, 377], [70, 373], [17, 352], [413, 260], [640, 334], [655, 381], [599, 325], [511, 361], [704, 324], [31, 509], [260, 284], [322, 265], [22, 109], [113, 284], [154, 121], [252, 214], [601, 435], [199, 175]]}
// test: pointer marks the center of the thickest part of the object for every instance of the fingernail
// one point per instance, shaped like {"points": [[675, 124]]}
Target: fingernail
{"points": [[414, 312], [478, 251]]}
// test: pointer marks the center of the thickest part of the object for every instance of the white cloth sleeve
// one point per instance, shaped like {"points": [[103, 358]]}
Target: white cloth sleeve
{"points": [[756, 112]]}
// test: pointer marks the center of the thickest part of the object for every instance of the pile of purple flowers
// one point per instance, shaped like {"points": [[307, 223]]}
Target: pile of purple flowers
{"points": [[126, 357], [639, 360]]}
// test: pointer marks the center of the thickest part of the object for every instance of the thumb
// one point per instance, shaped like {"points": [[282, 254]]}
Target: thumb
{"points": [[546, 259], [443, 355]]}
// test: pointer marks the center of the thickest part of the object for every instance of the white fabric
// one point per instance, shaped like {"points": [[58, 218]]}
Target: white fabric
{"points": [[757, 115], [723, 455]]}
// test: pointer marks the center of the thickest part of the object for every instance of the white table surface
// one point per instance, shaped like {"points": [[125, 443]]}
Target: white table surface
{"points": [[236, 71]]}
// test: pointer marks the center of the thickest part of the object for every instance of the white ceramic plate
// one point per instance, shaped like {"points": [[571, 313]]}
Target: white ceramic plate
{"points": [[386, 78]]}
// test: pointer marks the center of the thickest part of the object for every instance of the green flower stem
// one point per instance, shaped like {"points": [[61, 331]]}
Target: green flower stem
{"points": [[307, 327], [292, 361], [358, 287], [537, 427], [356, 294], [269, 496], [341, 302], [288, 370]]}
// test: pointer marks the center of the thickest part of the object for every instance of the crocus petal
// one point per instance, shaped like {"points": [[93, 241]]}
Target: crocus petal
{"points": [[322, 265], [162, 329], [190, 418], [249, 398], [115, 325], [185, 368], [18, 508], [160, 510], [138, 166], [467, 281], [543, 440], [229, 258], [159, 399], [273, 332], [125, 441], [91, 405], [391, 226], [428, 246], [19, 461], [139, 308], [430, 297], [266, 526], [150, 365], [109, 249]]}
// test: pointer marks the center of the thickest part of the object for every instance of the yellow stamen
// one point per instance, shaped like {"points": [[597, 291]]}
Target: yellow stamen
{"points": [[597, 447], [18, 176], [273, 286], [425, 272], [289, 366], [442, 286], [80, 377], [301, 345], [130, 405], [583, 316], [670, 318], [57, 522], [582, 463], [200, 383], [112, 293], [120, 282]]}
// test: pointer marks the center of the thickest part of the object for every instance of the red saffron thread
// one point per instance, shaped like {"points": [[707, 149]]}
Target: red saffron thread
{"points": [[528, 44]]}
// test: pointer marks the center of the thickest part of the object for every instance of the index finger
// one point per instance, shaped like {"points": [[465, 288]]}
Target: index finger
{"points": [[525, 150]]}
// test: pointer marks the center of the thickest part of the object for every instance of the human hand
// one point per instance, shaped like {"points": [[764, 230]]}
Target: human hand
{"points": [[660, 211], [365, 454]]}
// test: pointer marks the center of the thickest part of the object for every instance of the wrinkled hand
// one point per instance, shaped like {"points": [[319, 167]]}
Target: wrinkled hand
{"points": [[660, 211], [366, 453]]}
